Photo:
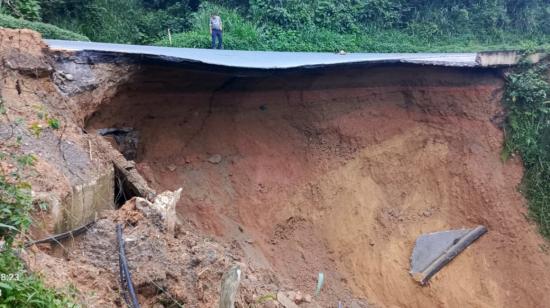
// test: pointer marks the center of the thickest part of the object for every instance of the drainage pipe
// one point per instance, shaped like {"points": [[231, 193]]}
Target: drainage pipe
{"points": [[125, 276]]}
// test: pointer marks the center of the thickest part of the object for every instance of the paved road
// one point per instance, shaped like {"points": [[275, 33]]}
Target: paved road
{"points": [[268, 59]]}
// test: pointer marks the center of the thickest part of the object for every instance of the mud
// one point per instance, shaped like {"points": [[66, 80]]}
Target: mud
{"points": [[339, 171], [168, 271], [295, 173]]}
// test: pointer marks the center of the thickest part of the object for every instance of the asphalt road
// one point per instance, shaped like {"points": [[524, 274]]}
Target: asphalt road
{"points": [[268, 59]]}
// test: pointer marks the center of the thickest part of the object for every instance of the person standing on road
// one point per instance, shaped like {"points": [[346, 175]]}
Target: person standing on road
{"points": [[216, 30]]}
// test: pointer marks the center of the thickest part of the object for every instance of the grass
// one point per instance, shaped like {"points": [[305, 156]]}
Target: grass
{"points": [[238, 32], [321, 40], [243, 34], [47, 30]]}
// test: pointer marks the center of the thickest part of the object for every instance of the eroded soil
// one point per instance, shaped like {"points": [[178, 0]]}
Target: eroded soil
{"points": [[287, 174], [339, 172]]}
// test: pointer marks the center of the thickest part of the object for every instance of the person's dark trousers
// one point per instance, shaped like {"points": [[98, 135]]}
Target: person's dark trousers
{"points": [[217, 35]]}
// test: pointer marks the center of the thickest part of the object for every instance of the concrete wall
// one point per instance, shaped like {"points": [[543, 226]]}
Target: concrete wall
{"points": [[86, 200]]}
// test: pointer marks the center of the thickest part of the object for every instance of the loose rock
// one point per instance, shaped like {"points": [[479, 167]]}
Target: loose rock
{"points": [[298, 298], [215, 159], [69, 77], [270, 304], [285, 301]]}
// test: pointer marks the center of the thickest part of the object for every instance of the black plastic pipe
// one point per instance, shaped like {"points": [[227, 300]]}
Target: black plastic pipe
{"points": [[125, 276]]}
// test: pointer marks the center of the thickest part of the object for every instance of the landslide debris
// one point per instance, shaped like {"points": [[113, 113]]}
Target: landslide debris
{"points": [[168, 269], [339, 171], [285, 175]]}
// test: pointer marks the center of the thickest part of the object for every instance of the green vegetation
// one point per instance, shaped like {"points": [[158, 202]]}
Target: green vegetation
{"points": [[374, 26], [26, 9], [243, 33], [239, 33], [312, 25], [15, 197], [47, 31], [125, 21], [16, 204], [527, 99], [53, 123], [18, 287], [21, 289]]}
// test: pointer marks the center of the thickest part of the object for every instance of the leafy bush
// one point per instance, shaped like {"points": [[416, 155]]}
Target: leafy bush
{"points": [[345, 24], [290, 14], [22, 289], [153, 25], [359, 26], [19, 288], [126, 21], [241, 33], [527, 99], [15, 204], [335, 15], [238, 33], [457, 23], [100, 20], [380, 13], [26, 9], [47, 31]]}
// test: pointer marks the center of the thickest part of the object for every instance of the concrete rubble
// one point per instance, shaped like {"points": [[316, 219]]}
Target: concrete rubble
{"points": [[432, 251], [164, 207]]}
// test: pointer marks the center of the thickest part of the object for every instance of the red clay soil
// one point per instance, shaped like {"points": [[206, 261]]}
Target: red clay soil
{"points": [[339, 172]]}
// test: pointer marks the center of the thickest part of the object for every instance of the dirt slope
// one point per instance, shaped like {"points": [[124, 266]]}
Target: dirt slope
{"points": [[185, 267], [339, 172], [334, 171]]}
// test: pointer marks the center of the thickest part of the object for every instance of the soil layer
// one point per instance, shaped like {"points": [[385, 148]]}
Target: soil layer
{"points": [[338, 171]]}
